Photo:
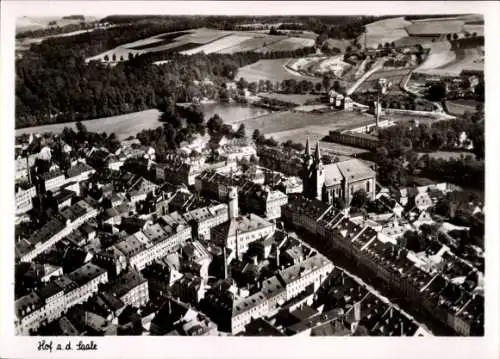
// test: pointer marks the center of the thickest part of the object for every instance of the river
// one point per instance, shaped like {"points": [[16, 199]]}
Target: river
{"points": [[132, 123]]}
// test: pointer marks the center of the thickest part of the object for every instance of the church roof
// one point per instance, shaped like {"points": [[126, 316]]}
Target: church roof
{"points": [[354, 170], [332, 175]]}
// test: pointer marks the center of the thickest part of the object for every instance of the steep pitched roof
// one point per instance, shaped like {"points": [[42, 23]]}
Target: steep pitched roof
{"points": [[332, 175], [354, 170]]}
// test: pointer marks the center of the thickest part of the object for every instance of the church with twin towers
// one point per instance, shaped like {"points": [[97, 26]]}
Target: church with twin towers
{"points": [[326, 182]]}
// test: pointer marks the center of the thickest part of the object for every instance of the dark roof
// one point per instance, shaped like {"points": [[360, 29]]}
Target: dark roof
{"points": [[126, 283], [78, 169]]}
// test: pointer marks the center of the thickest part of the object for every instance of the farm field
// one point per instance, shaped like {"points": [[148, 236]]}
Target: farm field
{"points": [[123, 126], [208, 41], [273, 70], [443, 61], [288, 44], [388, 30], [440, 54], [219, 44], [340, 44], [252, 44], [297, 126], [290, 98]]}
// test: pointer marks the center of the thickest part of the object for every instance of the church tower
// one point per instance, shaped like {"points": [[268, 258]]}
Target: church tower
{"points": [[314, 175], [317, 175], [306, 170], [233, 202]]}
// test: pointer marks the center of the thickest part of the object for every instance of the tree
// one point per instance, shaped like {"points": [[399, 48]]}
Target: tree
{"points": [[437, 92], [215, 124], [271, 142], [338, 203], [318, 87], [359, 199], [448, 37], [327, 83], [455, 36], [114, 57], [242, 84], [257, 136], [240, 133], [106, 58]]}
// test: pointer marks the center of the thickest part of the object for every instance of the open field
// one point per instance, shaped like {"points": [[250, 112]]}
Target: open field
{"points": [[295, 99], [252, 44], [297, 126], [459, 107], [440, 54], [444, 61], [394, 76], [219, 44], [208, 41], [319, 65], [380, 32], [273, 70], [123, 126], [288, 44], [338, 149], [435, 27], [340, 44], [31, 23], [478, 29]]}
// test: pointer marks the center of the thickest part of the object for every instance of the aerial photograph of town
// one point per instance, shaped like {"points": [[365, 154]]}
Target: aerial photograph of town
{"points": [[247, 175]]}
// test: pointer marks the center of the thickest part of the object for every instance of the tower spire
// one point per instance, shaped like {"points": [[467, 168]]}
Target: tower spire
{"points": [[317, 154], [308, 147]]}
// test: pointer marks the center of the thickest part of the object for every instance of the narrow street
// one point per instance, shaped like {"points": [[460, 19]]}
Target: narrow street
{"points": [[375, 286]]}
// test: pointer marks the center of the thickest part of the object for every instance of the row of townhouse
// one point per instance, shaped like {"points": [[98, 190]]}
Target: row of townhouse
{"points": [[140, 250], [388, 263], [52, 180], [53, 231], [24, 199], [55, 298], [286, 285]]}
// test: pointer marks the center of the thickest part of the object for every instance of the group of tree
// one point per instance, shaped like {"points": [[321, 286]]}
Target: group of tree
{"points": [[397, 158], [394, 101], [288, 145], [54, 84], [441, 135]]}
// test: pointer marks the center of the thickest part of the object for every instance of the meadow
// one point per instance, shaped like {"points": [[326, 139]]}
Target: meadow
{"points": [[123, 126], [273, 70]]}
